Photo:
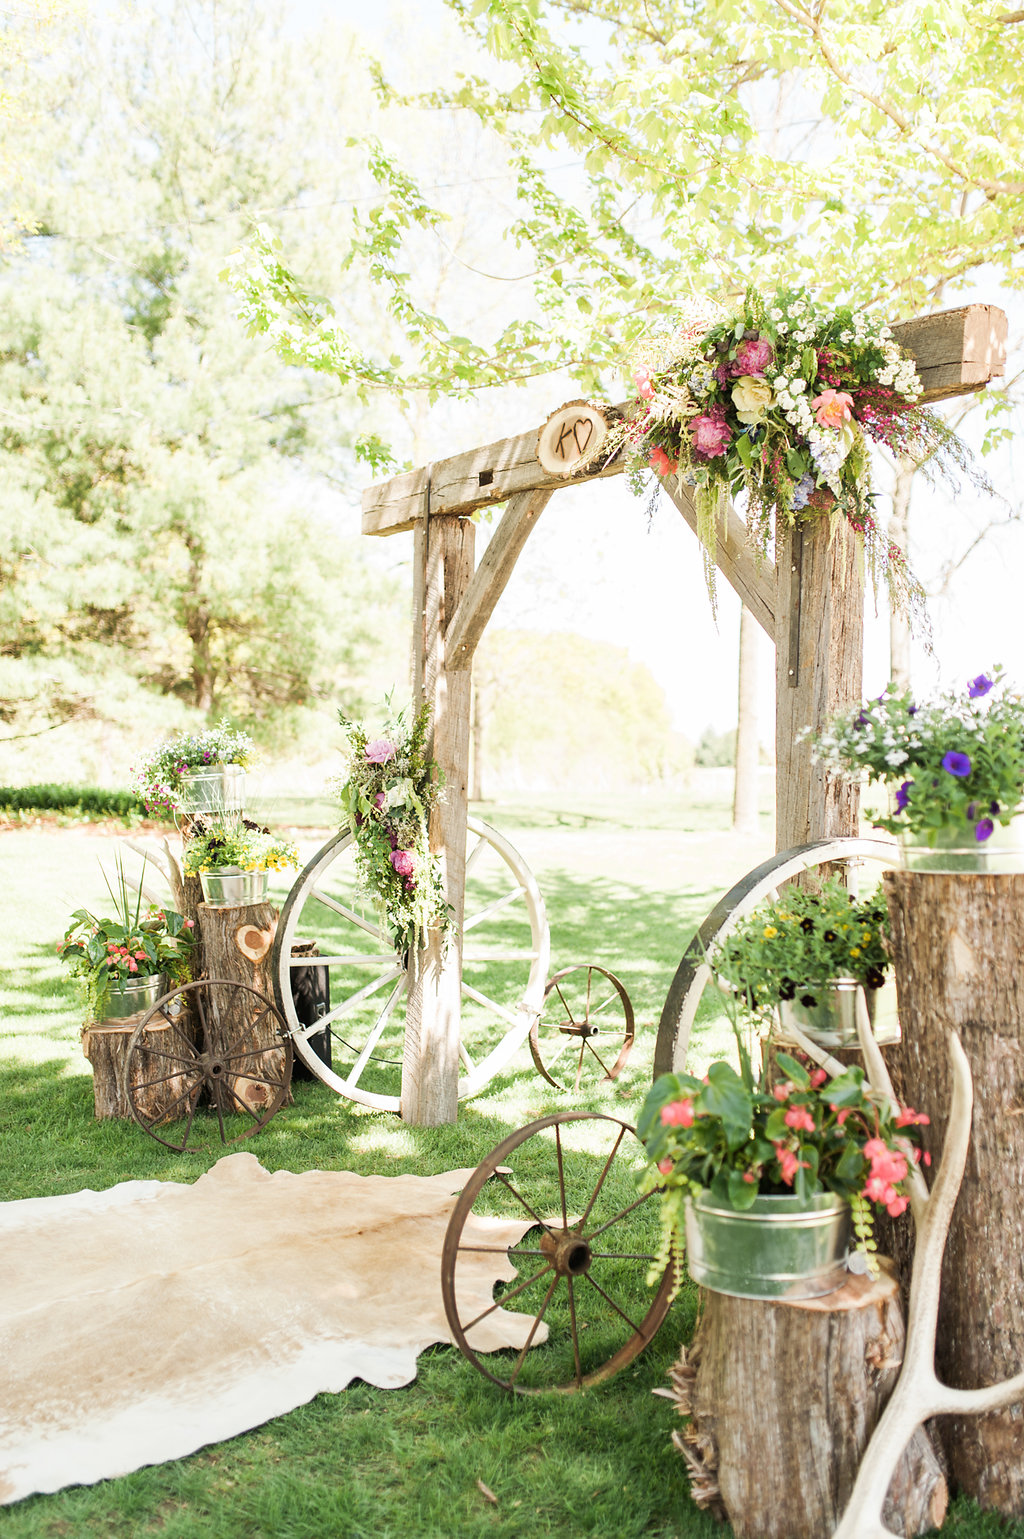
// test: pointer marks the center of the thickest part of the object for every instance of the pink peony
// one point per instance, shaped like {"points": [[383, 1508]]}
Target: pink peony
{"points": [[752, 357], [380, 751], [710, 433], [677, 1114], [403, 862], [832, 408]]}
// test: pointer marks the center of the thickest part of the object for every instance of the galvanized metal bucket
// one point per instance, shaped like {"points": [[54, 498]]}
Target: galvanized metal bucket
{"points": [[781, 1248], [232, 888], [958, 849], [832, 1020], [220, 788], [131, 998]]}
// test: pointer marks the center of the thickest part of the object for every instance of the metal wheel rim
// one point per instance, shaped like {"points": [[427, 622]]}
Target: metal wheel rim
{"points": [[693, 973], [544, 1062], [215, 1084], [643, 1332], [394, 973]]}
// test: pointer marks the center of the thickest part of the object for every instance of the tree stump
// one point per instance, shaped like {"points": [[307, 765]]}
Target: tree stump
{"points": [[958, 941], [236, 949], [782, 1400], [105, 1045]]}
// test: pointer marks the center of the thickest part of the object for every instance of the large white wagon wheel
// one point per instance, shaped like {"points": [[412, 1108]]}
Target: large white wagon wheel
{"points": [[506, 952], [693, 971]]}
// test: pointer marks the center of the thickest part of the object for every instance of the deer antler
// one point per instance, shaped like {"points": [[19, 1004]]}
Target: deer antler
{"points": [[918, 1393], [167, 864]]}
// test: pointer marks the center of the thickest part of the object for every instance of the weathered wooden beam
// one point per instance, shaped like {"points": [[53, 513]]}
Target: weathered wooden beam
{"points": [[753, 578], [957, 352], [491, 576]]}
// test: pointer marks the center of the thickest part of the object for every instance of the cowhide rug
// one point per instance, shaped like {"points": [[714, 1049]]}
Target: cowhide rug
{"points": [[141, 1323]]}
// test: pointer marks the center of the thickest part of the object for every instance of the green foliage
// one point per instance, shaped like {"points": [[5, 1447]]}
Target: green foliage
{"points": [[959, 758], [67, 798], [391, 784], [795, 946]]}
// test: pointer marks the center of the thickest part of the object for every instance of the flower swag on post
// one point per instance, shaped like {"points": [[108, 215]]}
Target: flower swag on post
{"points": [[795, 946], [789, 1131], [779, 401], [956, 762], [386, 798]]}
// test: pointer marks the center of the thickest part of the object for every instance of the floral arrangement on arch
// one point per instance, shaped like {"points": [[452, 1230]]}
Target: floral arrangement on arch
{"points": [[779, 401], [790, 1129], [956, 761], [392, 782], [794, 946], [157, 777]]}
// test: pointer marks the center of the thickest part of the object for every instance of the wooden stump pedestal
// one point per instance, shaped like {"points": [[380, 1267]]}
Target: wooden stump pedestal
{"points": [[958, 944], [105, 1045], [782, 1400]]}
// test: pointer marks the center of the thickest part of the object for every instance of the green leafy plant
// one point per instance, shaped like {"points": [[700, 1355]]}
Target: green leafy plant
{"points": [[220, 844], [796, 945], [789, 1130], [956, 761], [157, 777], [101, 951], [386, 798]]}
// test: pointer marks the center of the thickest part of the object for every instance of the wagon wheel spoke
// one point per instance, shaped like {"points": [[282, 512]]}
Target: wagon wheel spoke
{"points": [[602, 1178], [538, 1318], [623, 1213], [575, 1000], [609, 1300], [574, 1331], [507, 1298], [588, 1047]]}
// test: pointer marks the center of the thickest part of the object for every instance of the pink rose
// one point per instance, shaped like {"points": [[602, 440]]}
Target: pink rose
{"points": [[403, 862], [710, 433], [752, 357], [380, 751], [832, 408]]}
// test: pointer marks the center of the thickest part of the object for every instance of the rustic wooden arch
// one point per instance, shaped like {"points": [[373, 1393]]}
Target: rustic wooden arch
{"points": [[810, 602]]}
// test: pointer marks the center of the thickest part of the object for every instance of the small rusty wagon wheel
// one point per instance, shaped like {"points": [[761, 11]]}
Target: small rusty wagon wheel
{"points": [[585, 1027], [553, 1213], [215, 1047]]}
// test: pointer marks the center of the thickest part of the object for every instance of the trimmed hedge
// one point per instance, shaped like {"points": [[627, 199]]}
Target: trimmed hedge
{"points": [[82, 799]]}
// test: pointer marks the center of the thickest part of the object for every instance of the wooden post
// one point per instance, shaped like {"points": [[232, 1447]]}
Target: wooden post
{"points": [[819, 645], [957, 948], [430, 1066]]}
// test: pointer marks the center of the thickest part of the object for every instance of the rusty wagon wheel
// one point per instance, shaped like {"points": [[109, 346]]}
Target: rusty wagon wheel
{"points": [[573, 1289], [585, 1027], [223, 1065]]}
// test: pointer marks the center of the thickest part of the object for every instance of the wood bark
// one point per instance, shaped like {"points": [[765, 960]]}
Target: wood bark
{"points": [[957, 948], [430, 1064], [237, 945], [782, 1400], [744, 798], [105, 1045], [819, 666]]}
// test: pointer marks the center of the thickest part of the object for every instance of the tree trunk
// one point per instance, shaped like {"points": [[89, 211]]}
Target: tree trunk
{"points": [[744, 801], [783, 1398], [236, 945], [105, 1045], [957, 948]]}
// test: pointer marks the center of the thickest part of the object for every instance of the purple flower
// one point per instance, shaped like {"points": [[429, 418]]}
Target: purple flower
{"points": [[978, 687], [403, 863], [903, 795], [993, 807], [912, 710], [984, 830], [863, 720], [957, 764], [379, 799], [801, 496], [380, 751]]}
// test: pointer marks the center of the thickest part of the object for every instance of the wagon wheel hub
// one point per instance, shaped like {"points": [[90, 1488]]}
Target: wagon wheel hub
{"points": [[567, 1251], [578, 1029]]}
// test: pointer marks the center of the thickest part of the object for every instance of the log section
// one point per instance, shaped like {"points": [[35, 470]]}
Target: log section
{"points": [[782, 1400], [957, 948], [236, 947], [105, 1045]]}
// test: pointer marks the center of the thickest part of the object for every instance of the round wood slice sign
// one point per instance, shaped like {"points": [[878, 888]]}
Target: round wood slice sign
{"points": [[574, 432]]}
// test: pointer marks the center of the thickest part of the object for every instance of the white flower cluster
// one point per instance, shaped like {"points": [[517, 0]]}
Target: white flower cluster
{"points": [[799, 321], [791, 398], [899, 373]]}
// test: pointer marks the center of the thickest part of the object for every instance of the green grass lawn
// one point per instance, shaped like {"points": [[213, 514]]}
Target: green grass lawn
{"points": [[625, 883]]}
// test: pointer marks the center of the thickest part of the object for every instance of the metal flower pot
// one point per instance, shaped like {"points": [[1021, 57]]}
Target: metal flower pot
{"points": [[219, 788], [130, 998], [230, 887], [781, 1248], [832, 1020], [957, 849]]}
